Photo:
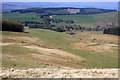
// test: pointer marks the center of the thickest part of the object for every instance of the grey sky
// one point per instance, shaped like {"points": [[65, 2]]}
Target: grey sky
{"points": [[60, 0]]}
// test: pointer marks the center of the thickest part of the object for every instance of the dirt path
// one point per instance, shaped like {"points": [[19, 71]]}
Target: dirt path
{"points": [[5, 44], [59, 73]]}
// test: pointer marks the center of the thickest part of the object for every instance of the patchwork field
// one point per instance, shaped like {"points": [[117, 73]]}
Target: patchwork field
{"points": [[59, 42], [49, 49], [90, 20], [83, 20]]}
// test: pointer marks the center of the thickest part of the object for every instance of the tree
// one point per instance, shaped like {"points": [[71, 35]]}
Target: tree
{"points": [[12, 26], [114, 31]]}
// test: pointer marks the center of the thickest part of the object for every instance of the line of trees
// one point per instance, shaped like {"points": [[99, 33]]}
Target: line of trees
{"points": [[12, 26], [113, 31], [63, 11], [60, 20], [28, 23]]}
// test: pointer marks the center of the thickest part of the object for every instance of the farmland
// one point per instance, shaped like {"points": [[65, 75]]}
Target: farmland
{"points": [[59, 40], [86, 50], [90, 20], [45, 48], [83, 20], [16, 16]]}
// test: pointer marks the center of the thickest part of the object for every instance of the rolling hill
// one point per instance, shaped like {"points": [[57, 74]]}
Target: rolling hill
{"points": [[59, 39], [64, 11], [50, 49], [90, 20], [83, 20], [9, 6]]}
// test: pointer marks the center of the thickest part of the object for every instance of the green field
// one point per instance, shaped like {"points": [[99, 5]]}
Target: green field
{"points": [[16, 16], [50, 49], [90, 20], [83, 20], [18, 56]]}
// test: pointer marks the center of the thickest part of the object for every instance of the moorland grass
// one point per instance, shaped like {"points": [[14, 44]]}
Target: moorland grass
{"points": [[60, 41]]}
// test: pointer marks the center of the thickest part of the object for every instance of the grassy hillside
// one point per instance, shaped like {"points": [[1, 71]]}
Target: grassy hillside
{"points": [[90, 20], [83, 20], [8, 6], [65, 10], [107, 17], [23, 50], [16, 16]]}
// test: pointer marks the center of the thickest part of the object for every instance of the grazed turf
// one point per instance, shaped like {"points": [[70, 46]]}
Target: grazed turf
{"points": [[16, 16], [83, 20], [62, 41], [90, 20]]}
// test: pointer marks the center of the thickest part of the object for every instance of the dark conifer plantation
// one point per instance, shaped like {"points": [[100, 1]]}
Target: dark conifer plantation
{"points": [[12, 26]]}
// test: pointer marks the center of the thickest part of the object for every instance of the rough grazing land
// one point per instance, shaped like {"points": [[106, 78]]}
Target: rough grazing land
{"points": [[59, 73], [40, 48], [48, 54]]}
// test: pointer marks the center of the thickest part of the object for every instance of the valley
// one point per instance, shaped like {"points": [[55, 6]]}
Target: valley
{"points": [[40, 42], [46, 48]]}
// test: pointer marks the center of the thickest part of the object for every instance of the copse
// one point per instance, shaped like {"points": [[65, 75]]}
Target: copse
{"points": [[12, 26], [113, 31]]}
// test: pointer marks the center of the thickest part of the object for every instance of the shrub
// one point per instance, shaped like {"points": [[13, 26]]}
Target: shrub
{"points": [[12, 26]]}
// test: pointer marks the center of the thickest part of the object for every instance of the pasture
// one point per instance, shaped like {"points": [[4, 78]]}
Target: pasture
{"points": [[49, 49], [90, 20], [83, 20], [16, 16]]}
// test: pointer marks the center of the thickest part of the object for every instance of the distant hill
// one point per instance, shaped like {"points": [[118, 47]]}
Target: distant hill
{"points": [[9, 6], [64, 10]]}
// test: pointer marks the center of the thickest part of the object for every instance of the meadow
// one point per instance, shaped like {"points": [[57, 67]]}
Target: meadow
{"points": [[49, 49], [16, 16], [90, 20], [83, 20]]}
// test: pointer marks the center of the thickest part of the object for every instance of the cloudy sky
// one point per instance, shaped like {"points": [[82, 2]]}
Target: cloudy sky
{"points": [[60, 0]]}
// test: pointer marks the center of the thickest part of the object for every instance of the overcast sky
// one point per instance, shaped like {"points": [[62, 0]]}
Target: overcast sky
{"points": [[59, 0]]}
